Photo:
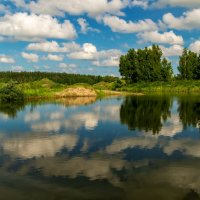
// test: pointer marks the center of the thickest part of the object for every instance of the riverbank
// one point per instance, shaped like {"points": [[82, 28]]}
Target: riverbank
{"points": [[175, 87], [46, 88]]}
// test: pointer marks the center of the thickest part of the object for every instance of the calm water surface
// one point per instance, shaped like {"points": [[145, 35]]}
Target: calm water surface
{"points": [[144, 147]]}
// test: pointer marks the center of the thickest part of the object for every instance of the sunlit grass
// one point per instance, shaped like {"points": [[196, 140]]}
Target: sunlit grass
{"points": [[181, 86], [46, 88]]}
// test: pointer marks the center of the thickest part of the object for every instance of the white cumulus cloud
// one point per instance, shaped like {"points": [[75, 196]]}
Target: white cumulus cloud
{"points": [[6, 59], [54, 57], [85, 26], [111, 62], [30, 56], [195, 46], [162, 38], [174, 50], [188, 21], [53, 47], [177, 3], [119, 25], [100, 58], [88, 52], [140, 3], [67, 66], [29, 27], [75, 7]]}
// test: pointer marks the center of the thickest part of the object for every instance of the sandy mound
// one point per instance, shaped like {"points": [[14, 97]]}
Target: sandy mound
{"points": [[77, 92]]}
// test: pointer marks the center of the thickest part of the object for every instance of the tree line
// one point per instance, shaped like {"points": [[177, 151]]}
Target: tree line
{"points": [[149, 64], [62, 78]]}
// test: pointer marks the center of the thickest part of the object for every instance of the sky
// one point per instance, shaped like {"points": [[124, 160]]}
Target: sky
{"points": [[89, 36]]}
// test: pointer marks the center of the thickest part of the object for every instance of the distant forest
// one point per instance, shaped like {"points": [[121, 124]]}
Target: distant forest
{"points": [[62, 78]]}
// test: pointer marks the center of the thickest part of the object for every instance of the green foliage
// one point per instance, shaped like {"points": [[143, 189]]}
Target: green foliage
{"points": [[46, 85], [175, 86], [41, 88], [59, 78], [117, 84], [197, 69], [166, 70], [128, 67], [145, 65], [103, 85], [188, 65], [10, 93]]}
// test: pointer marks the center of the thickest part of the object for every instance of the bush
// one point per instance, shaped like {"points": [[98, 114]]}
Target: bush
{"points": [[117, 84], [10, 93]]}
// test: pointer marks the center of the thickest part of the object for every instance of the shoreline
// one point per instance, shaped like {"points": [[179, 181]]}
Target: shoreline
{"points": [[47, 89], [99, 94]]}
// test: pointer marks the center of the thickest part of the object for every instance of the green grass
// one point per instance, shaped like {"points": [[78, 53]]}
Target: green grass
{"points": [[46, 88], [42, 88], [103, 86], [181, 86], [2, 85]]}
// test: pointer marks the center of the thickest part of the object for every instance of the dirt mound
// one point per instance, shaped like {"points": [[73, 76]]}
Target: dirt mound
{"points": [[77, 92]]}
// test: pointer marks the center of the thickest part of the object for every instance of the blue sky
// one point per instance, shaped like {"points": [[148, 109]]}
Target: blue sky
{"points": [[88, 36]]}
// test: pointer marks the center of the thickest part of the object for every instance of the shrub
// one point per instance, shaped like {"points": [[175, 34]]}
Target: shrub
{"points": [[10, 93], [117, 84]]}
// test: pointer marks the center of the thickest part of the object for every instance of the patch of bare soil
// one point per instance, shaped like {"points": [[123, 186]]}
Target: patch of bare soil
{"points": [[77, 92]]}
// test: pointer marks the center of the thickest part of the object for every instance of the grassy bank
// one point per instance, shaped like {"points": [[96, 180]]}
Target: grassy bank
{"points": [[46, 88], [181, 86]]}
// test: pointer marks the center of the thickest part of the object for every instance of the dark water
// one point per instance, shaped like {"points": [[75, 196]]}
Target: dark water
{"points": [[144, 147]]}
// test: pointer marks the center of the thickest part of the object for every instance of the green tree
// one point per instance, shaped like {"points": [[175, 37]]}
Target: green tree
{"points": [[187, 64], [143, 69], [128, 66], [166, 70], [145, 65], [197, 69], [154, 61]]}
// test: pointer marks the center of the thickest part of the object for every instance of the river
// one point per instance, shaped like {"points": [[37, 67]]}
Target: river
{"points": [[144, 147]]}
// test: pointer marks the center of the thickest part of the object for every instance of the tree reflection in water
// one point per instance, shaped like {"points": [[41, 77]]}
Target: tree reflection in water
{"points": [[148, 113], [189, 110], [11, 109], [145, 112], [192, 195]]}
